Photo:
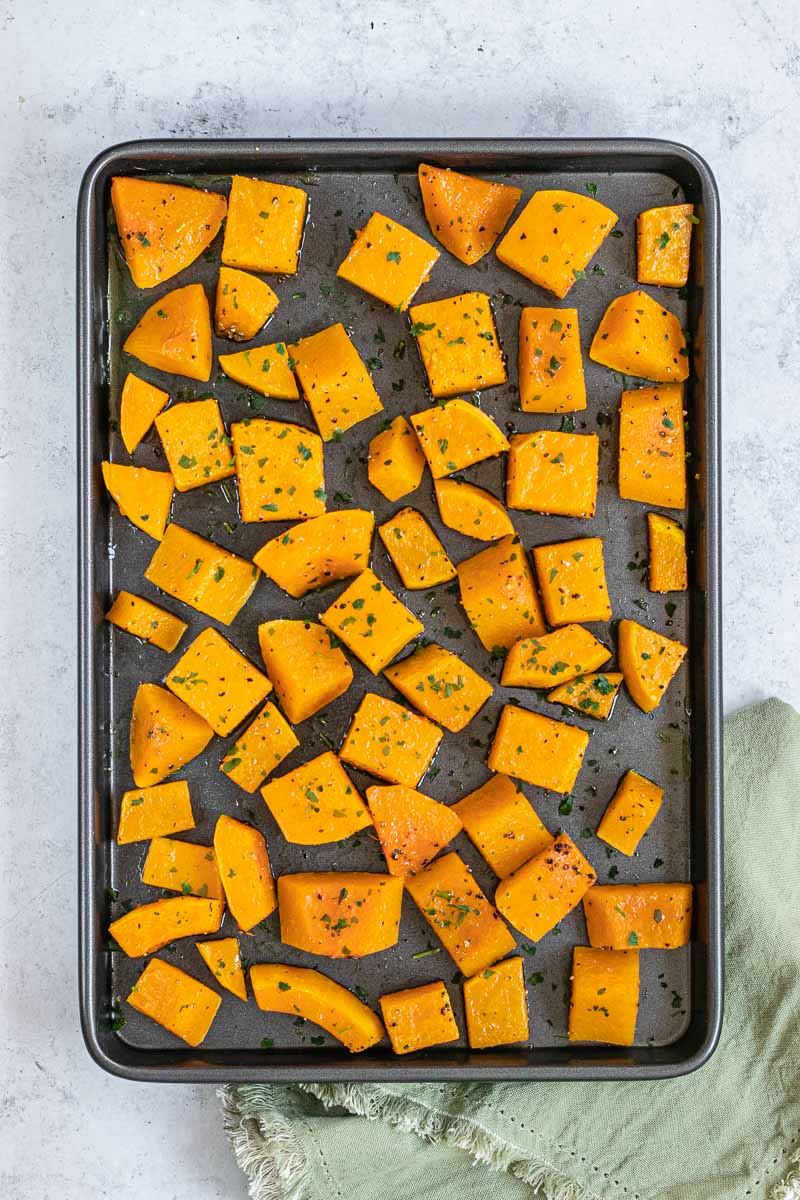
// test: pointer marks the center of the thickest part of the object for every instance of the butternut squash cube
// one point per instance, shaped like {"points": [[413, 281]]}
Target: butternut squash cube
{"points": [[502, 824], [371, 621], [572, 581], [174, 335], [165, 734], [244, 304], [496, 1006], [543, 890], [151, 812], [553, 472], [320, 551], [195, 444], [388, 261], [467, 215], [550, 361], [304, 992], [604, 1000], [147, 621], [441, 686], [306, 665], [667, 545], [139, 405], [245, 872], [265, 226], [648, 661], [456, 435], [260, 749], [340, 914], [471, 510], [663, 244], [539, 662], [652, 453], [201, 574], [182, 867], [175, 1000], [316, 803], [458, 344], [411, 827], [638, 336], [335, 381], [396, 462], [541, 751], [141, 495], [630, 812], [217, 682], [555, 237], [643, 916], [459, 913], [387, 740], [264, 369], [163, 227], [591, 695], [416, 1018], [499, 595], [279, 470], [224, 961], [419, 557], [145, 929]]}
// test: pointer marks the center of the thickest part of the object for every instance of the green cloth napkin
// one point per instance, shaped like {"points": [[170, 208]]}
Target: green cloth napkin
{"points": [[729, 1130]]}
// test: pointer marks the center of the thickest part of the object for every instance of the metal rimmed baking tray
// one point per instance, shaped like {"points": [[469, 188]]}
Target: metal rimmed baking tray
{"points": [[679, 745]]}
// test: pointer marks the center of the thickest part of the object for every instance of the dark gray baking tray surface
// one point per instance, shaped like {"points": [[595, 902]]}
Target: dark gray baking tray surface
{"points": [[678, 745]]}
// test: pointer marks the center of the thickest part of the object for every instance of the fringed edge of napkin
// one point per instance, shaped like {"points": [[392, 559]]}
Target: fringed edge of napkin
{"points": [[264, 1143], [789, 1187]]}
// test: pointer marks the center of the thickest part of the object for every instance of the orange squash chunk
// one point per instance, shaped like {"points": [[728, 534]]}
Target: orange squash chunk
{"points": [[647, 916], [174, 334], [225, 963], [652, 454], [202, 574], [217, 682], [141, 495], [496, 1006], [648, 661], [590, 695], [260, 749], [145, 929], [195, 444], [335, 382], [163, 227], [279, 470], [320, 551], [419, 557], [663, 244], [151, 812], [471, 510], [165, 734], [638, 336], [458, 344], [387, 740], [340, 914], [553, 472], [499, 595], [554, 238], [550, 361], [411, 827], [245, 872], [540, 893], [396, 462], [175, 1000], [455, 435], [304, 992], [371, 621], [306, 665], [541, 751], [147, 621], [539, 662], [467, 215], [244, 304], [139, 405], [572, 581], [316, 802], [264, 369], [441, 686], [264, 227], [459, 913], [502, 824], [604, 1001], [388, 261], [668, 570], [182, 867], [416, 1018], [630, 812]]}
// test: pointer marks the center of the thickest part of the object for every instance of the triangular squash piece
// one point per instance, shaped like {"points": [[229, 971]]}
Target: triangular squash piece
{"points": [[244, 303], [263, 369], [163, 227], [648, 661], [638, 336], [590, 695], [467, 215], [165, 734], [456, 434], [224, 961], [140, 404], [471, 510], [143, 496], [175, 334], [412, 828]]}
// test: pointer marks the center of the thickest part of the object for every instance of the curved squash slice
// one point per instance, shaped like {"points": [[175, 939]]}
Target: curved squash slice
{"points": [[163, 227], [648, 661], [139, 405], [412, 828], [591, 695], [396, 463], [316, 803], [467, 215], [340, 914], [224, 961], [304, 992], [455, 435], [557, 657], [306, 665], [639, 337], [471, 510], [145, 929], [141, 495], [175, 334], [319, 551], [263, 369], [245, 871], [244, 304], [165, 734]]}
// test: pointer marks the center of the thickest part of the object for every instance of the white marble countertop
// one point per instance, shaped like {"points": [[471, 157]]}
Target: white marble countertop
{"points": [[722, 77]]}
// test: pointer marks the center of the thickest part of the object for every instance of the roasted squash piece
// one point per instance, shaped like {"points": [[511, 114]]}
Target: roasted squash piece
{"points": [[419, 557], [244, 304], [147, 621], [638, 336], [471, 510], [389, 741], [388, 261], [175, 1000], [218, 682], [604, 1000], [496, 1006], [304, 992], [541, 751], [550, 361], [499, 595], [663, 244], [467, 215], [458, 344], [460, 915], [335, 381], [455, 435], [279, 470], [396, 462], [139, 405], [306, 665], [141, 495], [572, 581], [316, 802], [182, 867], [195, 443], [224, 961], [264, 227], [411, 827], [630, 812], [165, 734], [648, 661], [163, 227], [340, 914], [590, 695], [264, 369], [543, 890], [371, 621], [540, 662], [174, 334], [318, 552], [502, 824], [551, 472], [245, 872], [418, 1017], [652, 453], [151, 812], [645, 916], [441, 686], [145, 929], [259, 749], [202, 574], [554, 238], [668, 570]]}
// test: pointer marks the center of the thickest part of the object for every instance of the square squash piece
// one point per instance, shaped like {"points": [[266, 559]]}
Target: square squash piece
{"points": [[545, 889], [147, 621], [652, 453], [496, 1006], [550, 361], [663, 243], [552, 472], [541, 751], [197, 447], [388, 261], [650, 916], [306, 665], [259, 749], [387, 740], [202, 574], [419, 1017], [279, 470], [499, 595], [458, 344], [419, 557], [217, 682], [441, 686], [572, 581], [604, 1001], [335, 382], [175, 1001], [371, 621], [630, 813], [182, 867], [316, 802], [502, 824], [265, 226], [154, 812]]}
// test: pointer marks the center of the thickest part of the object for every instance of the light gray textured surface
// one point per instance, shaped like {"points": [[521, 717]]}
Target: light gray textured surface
{"points": [[722, 77]]}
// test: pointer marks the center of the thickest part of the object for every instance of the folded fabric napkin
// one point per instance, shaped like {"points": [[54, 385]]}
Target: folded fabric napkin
{"points": [[729, 1130]]}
